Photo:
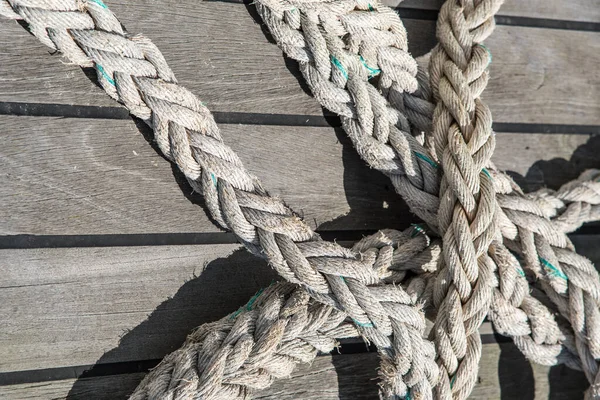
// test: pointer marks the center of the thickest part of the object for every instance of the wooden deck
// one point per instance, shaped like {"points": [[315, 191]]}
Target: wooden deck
{"points": [[107, 258]]}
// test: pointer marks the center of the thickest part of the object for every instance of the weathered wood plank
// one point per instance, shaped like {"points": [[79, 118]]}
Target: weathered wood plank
{"points": [[65, 307], [224, 64], [576, 10], [345, 377], [540, 160], [113, 387], [538, 75], [82, 306], [78, 176]]}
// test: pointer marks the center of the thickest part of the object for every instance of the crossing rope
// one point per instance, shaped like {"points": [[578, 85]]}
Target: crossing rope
{"points": [[353, 55]]}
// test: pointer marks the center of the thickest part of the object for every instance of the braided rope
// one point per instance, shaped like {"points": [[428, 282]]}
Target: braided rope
{"points": [[573, 204], [534, 331], [282, 326], [133, 71], [53, 35], [337, 71], [464, 144]]}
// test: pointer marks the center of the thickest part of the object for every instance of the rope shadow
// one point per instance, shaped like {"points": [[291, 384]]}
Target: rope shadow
{"points": [[558, 171], [224, 285], [515, 374]]}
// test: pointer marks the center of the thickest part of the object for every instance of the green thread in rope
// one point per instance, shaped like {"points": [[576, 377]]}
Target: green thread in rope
{"points": [[489, 54], [518, 268], [407, 397], [248, 306], [213, 179], [105, 75], [100, 3], [417, 228], [485, 171], [427, 159], [253, 299], [364, 325], [371, 7], [553, 270], [372, 71], [339, 65], [452, 381]]}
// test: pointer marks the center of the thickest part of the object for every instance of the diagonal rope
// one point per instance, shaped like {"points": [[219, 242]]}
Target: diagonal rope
{"points": [[133, 71], [282, 326]]}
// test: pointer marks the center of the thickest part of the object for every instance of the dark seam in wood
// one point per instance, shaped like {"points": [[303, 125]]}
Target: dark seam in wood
{"points": [[147, 239], [529, 22], [178, 239], [130, 367], [235, 118]]}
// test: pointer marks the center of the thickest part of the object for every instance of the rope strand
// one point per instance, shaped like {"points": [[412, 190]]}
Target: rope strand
{"points": [[133, 71]]}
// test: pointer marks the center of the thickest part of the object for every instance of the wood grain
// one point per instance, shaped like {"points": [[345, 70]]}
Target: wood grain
{"points": [[65, 307], [78, 176], [537, 74], [576, 10], [346, 377]]}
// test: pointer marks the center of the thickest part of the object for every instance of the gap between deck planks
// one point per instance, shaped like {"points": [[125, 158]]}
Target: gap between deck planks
{"points": [[343, 377], [574, 10], [545, 69]]}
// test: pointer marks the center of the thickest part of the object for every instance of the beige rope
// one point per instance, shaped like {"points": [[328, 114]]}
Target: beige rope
{"points": [[133, 71], [464, 143], [238, 201]]}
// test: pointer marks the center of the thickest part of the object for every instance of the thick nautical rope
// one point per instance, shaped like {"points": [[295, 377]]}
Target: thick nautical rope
{"points": [[249, 349], [573, 204], [567, 278], [463, 139], [464, 143], [281, 327], [534, 331], [339, 45], [133, 71]]}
